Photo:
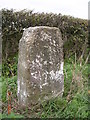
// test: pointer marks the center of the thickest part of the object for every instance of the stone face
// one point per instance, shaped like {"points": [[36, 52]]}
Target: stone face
{"points": [[40, 65]]}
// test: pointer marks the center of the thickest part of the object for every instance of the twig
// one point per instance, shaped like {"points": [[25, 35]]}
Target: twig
{"points": [[87, 59]]}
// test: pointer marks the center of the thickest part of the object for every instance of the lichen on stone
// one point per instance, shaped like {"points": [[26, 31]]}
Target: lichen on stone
{"points": [[40, 64]]}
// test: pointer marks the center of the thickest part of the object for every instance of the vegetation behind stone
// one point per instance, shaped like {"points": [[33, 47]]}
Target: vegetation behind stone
{"points": [[74, 30]]}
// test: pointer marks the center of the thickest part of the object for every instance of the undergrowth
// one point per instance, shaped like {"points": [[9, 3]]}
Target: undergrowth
{"points": [[73, 104]]}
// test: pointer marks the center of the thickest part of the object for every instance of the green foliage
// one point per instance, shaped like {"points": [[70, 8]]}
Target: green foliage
{"points": [[67, 77], [74, 102], [77, 106], [74, 30], [9, 67], [12, 116], [9, 84], [52, 107], [74, 108], [12, 85], [60, 108]]}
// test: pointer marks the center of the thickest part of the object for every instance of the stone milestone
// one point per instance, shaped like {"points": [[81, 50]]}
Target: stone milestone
{"points": [[40, 65]]}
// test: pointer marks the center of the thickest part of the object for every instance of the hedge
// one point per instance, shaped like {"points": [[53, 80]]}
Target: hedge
{"points": [[74, 30]]}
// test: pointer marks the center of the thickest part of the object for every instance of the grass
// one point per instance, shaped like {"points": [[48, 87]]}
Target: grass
{"points": [[73, 104], [77, 105], [12, 115]]}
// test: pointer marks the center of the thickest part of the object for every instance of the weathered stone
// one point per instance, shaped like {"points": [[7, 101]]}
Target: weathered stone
{"points": [[40, 65]]}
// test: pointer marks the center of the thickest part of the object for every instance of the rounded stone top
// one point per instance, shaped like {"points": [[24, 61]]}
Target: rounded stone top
{"points": [[42, 27], [40, 31]]}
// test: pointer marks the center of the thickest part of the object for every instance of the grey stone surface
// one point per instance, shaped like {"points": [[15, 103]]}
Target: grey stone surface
{"points": [[40, 65]]}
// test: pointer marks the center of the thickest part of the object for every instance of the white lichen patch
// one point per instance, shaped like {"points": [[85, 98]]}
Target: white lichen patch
{"points": [[52, 74], [34, 73], [50, 49], [56, 75], [54, 50], [54, 41], [37, 56], [46, 72], [51, 63], [24, 65], [44, 75], [22, 83], [45, 36], [45, 46], [61, 67], [35, 77], [24, 93], [45, 63], [18, 83], [28, 61], [40, 86], [36, 63], [45, 84]]}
